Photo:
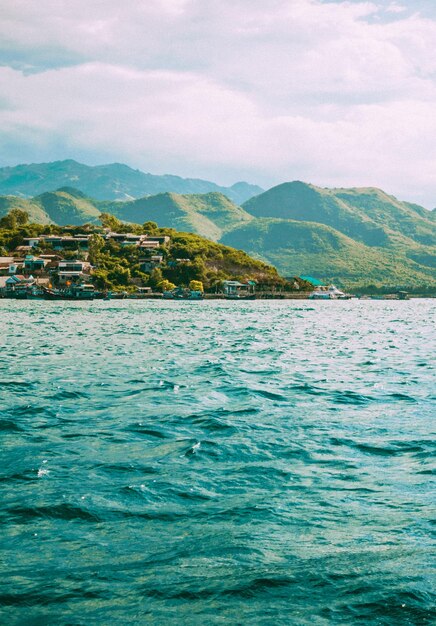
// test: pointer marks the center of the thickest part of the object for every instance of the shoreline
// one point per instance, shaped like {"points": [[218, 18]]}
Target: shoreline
{"points": [[221, 297]]}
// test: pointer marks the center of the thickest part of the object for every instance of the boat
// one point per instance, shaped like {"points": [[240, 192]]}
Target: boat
{"points": [[329, 293], [35, 293], [180, 293], [74, 292]]}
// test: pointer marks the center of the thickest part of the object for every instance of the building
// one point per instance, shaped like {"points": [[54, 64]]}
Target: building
{"points": [[234, 290], [31, 242], [149, 245], [147, 265], [18, 284], [58, 242], [34, 264], [5, 265], [72, 271]]}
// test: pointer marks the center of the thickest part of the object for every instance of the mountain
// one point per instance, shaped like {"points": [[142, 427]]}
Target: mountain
{"points": [[354, 237], [35, 211], [368, 215], [309, 248], [346, 235], [114, 181], [62, 207], [209, 214]]}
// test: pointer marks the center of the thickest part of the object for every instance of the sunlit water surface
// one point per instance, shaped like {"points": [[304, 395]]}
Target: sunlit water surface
{"points": [[217, 463]]}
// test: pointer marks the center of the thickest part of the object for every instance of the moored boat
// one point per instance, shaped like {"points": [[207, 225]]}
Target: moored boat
{"points": [[180, 293], [74, 292], [329, 293]]}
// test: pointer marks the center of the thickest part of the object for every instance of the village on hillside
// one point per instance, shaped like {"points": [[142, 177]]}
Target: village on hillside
{"points": [[88, 262]]}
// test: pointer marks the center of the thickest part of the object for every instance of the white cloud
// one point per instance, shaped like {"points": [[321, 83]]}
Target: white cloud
{"points": [[271, 91]]}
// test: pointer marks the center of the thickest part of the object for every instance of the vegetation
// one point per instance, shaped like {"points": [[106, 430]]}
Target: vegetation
{"points": [[188, 260], [354, 237]]}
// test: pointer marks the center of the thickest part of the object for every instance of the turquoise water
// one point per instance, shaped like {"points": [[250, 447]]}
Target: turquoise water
{"points": [[217, 463]]}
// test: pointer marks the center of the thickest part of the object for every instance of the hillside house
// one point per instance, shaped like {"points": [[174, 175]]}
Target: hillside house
{"points": [[147, 265], [34, 264], [149, 245], [31, 242], [72, 271], [22, 250], [6, 262], [163, 240], [176, 262], [59, 242]]}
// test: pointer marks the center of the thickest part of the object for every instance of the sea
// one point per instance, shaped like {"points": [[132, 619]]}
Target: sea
{"points": [[266, 462]]}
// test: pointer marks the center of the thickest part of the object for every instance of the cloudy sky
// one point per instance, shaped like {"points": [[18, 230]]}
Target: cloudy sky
{"points": [[331, 92]]}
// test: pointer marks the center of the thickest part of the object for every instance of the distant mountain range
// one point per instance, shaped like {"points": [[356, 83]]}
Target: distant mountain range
{"points": [[114, 181], [354, 237]]}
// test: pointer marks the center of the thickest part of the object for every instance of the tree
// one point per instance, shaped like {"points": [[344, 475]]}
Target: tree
{"points": [[165, 285], [149, 227], [100, 279], [198, 269], [119, 275], [110, 221], [155, 277], [14, 219], [196, 285], [95, 246]]}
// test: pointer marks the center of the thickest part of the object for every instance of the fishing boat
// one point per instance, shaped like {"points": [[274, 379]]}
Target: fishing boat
{"points": [[74, 292], [329, 293]]}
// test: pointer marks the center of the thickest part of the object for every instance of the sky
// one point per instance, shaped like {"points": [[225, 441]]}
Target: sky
{"points": [[336, 93]]}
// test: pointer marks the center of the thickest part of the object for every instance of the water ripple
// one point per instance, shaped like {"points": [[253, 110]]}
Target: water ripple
{"points": [[217, 463]]}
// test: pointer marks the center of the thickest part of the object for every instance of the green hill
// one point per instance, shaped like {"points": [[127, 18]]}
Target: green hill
{"points": [[62, 207], [35, 211], [352, 236], [298, 248], [184, 257], [208, 214], [386, 241], [368, 215], [68, 206]]}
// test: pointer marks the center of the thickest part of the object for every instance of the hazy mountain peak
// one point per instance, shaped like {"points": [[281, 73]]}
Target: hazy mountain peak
{"points": [[114, 181]]}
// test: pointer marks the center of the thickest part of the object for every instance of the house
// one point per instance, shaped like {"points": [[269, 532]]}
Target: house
{"points": [[149, 245], [18, 283], [31, 242], [20, 250], [235, 290], [34, 264], [162, 240], [72, 271], [176, 262], [15, 267], [125, 239], [5, 263], [147, 265], [58, 242]]}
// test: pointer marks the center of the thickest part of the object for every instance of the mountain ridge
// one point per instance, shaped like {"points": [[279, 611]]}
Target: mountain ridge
{"points": [[351, 236], [112, 181]]}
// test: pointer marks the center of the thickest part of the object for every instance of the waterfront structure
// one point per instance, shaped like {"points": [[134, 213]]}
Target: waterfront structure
{"points": [[235, 290], [328, 293]]}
